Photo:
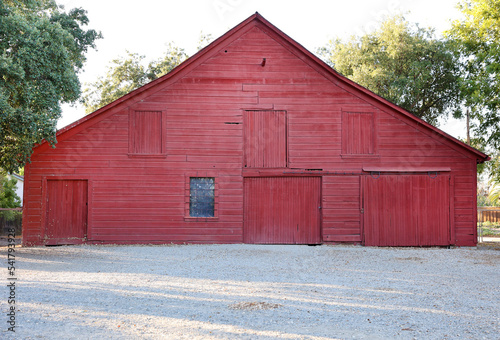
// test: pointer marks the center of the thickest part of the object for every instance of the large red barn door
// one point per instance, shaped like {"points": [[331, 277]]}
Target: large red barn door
{"points": [[406, 210], [282, 210], [66, 211]]}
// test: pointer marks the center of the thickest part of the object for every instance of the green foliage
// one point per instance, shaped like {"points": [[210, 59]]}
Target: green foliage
{"points": [[489, 229], [494, 196], [170, 59], [403, 64], [494, 182], [41, 51], [477, 37], [493, 167], [204, 40], [8, 197], [487, 201], [127, 74]]}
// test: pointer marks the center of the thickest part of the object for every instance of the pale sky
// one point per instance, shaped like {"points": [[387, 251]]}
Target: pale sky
{"points": [[146, 26]]}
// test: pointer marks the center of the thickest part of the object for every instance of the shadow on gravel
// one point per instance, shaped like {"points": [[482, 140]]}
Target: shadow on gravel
{"points": [[213, 291]]}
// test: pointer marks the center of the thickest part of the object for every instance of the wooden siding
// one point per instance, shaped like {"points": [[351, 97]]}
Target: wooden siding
{"points": [[143, 199], [341, 209]]}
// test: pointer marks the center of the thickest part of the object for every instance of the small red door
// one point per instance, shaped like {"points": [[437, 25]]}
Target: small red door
{"points": [[282, 210], [66, 212]]}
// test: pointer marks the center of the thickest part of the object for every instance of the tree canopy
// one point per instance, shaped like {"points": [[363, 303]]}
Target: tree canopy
{"points": [[477, 37], [126, 74], [42, 48], [403, 63]]}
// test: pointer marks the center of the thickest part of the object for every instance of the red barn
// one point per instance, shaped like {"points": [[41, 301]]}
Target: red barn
{"points": [[252, 140]]}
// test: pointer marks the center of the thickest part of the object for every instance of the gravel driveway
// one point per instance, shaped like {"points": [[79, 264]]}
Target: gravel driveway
{"points": [[254, 292]]}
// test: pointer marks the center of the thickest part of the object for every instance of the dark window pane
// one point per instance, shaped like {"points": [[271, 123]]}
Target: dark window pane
{"points": [[201, 196]]}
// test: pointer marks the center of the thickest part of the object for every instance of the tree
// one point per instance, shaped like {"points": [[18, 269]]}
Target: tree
{"points": [[8, 197], [403, 64], [494, 195], [127, 74], [42, 48], [477, 37]]}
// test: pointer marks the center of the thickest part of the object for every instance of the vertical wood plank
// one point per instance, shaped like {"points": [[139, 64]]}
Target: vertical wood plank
{"points": [[265, 140], [66, 221], [282, 210], [358, 136], [407, 210], [147, 136]]}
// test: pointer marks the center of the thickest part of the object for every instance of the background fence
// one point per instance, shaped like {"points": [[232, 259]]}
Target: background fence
{"points": [[11, 218], [488, 214]]}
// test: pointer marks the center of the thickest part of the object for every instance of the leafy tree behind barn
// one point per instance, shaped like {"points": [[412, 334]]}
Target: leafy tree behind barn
{"points": [[42, 49], [402, 63]]}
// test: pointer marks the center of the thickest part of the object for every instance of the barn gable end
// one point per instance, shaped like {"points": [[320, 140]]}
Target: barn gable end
{"points": [[230, 145]]}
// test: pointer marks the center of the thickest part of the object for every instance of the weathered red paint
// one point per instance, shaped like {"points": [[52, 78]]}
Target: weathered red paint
{"points": [[137, 153], [358, 134], [265, 139], [282, 210], [66, 221], [406, 210], [146, 132]]}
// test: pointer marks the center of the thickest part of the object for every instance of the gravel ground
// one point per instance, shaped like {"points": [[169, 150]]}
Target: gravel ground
{"points": [[254, 292]]}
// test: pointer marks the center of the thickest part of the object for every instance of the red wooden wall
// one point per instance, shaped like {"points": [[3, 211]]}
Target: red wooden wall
{"points": [[138, 193]]}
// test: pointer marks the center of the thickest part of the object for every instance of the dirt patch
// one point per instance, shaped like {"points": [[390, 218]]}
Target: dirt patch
{"points": [[489, 245], [413, 258], [254, 305]]}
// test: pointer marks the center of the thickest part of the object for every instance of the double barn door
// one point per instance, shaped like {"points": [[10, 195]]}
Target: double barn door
{"points": [[397, 210]]}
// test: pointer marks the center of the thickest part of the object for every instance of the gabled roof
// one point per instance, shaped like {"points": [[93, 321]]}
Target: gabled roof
{"points": [[299, 51]]}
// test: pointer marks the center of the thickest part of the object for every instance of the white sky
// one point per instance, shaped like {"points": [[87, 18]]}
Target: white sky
{"points": [[146, 26]]}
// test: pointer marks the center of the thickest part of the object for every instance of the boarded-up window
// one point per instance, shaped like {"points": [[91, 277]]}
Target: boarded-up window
{"points": [[358, 133], [146, 132], [265, 139], [202, 197]]}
